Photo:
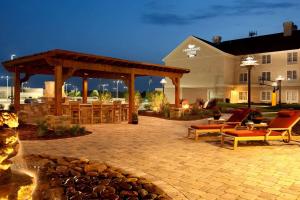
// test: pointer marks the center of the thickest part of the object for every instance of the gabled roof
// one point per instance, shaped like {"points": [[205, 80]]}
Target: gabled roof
{"points": [[259, 44]]}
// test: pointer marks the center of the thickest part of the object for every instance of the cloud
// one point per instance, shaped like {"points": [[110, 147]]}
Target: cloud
{"points": [[165, 19], [236, 8]]}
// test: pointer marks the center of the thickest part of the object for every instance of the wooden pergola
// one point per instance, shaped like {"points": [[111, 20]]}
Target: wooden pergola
{"points": [[65, 64]]}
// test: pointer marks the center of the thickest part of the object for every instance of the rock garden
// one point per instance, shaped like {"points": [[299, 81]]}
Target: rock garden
{"points": [[72, 178]]}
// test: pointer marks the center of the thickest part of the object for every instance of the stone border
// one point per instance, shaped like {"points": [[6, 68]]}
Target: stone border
{"points": [[170, 190]]}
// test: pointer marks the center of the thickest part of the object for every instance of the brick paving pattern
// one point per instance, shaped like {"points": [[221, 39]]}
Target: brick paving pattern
{"points": [[158, 150]]}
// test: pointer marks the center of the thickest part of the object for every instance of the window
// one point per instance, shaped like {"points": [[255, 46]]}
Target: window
{"points": [[243, 96], [266, 76], [265, 96], [243, 77], [292, 57], [266, 59], [292, 96], [291, 75]]}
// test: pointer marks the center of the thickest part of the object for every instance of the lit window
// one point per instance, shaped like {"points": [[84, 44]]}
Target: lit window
{"points": [[265, 96], [243, 77], [292, 57], [266, 76], [266, 59], [243, 96], [291, 75]]}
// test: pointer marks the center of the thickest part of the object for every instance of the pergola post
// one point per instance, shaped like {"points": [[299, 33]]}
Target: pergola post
{"points": [[176, 82], [84, 89], [131, 94], [17, 89], [58, 89]]}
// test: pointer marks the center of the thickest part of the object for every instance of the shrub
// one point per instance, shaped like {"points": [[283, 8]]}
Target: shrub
{"points": [[74, 93], [1, 107], [105, 96], [165, 110], [11, 108], [42, 128], [199, 103], [137, 98], [94, 93], [195, 109], [212, 103], [156, 100], [74, 130], [60, 130], [82, 130]]}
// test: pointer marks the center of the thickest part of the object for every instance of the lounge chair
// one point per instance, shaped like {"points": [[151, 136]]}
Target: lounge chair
{"points": [[280, 128], [238, 116]]}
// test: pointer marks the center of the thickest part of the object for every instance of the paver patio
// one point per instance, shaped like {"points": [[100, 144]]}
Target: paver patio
{"points": [[185, 169]]}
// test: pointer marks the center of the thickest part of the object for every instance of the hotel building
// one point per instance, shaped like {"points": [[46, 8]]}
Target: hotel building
{"points": [[215, 70]]}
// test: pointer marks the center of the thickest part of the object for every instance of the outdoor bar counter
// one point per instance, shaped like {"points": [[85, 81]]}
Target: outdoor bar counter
{"points": [[79, 113]]}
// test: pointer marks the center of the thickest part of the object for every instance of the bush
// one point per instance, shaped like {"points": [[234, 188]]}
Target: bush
{"points": [[195, 109], [60, 130], [42, 128], [105, 96], [82, 130], [94, 93], [165, 110], [212, 104], [199, 103], [156, 100], [74, 93], [1, 107], [74, 130], [137, 98], [11, 108]]}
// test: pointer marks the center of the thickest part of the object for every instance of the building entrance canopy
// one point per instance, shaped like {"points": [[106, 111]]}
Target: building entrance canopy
{"points": [[65, 64]]}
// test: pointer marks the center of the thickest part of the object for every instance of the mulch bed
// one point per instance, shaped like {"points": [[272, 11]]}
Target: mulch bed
{"points": [[29, 132]]}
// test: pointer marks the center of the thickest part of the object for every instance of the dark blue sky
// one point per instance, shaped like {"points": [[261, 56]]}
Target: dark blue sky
{"points": [[131, 29]]}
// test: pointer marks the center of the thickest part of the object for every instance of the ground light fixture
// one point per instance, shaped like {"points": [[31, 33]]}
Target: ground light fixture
{"points": [[163, 82], [249, 62]]}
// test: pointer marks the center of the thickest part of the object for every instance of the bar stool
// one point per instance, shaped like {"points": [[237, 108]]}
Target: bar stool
{"points": [[74, 112], [117, 110], [85, 113], [125, 111], [97, 112], [107, 113], [66, 109]]}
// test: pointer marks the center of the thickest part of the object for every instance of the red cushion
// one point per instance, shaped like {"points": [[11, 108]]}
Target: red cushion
{"points": [[286, 113], [239, 115], [212, 126], [249, 133], [285, 119]]}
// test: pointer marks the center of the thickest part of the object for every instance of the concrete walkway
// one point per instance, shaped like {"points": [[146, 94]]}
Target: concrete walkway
{"points": [[157, 149]]}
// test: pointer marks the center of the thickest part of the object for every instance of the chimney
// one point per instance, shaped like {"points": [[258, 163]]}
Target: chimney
{"points": [[288, 28], [217, 39]]}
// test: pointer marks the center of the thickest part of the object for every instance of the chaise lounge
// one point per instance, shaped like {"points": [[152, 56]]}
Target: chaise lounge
{"points": [[280, 128], [238, 116]]}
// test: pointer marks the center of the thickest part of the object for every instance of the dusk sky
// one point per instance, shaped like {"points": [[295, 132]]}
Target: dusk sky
{"points": [[131, 29]]}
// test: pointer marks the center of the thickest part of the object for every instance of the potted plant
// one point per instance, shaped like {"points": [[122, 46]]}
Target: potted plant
{"points": [[216, 114], [135, 119]]}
